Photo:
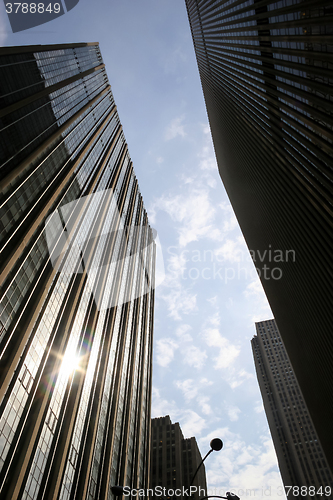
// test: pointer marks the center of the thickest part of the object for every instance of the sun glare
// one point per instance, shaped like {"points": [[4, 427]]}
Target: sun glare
{"points": [[70, 362]]}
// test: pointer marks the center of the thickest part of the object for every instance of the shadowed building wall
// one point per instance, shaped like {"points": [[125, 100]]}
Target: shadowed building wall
{"points": [[77, 278], [265, 69]]}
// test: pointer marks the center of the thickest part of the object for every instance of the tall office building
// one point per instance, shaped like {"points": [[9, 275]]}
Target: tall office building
{"points": [[174, 460], [77, 279], [266, 74], [301, 458]]}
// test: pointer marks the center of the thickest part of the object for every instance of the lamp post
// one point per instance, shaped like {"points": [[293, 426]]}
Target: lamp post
{"points": [[215, 445]]}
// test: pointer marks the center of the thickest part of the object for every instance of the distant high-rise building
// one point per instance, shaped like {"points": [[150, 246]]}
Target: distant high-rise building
{"points": [[173, 459], [300, 455], [266, 73], [77, 282]]}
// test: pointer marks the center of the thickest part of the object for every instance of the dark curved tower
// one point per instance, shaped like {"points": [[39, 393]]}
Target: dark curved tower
{"points": [[266, 74]]}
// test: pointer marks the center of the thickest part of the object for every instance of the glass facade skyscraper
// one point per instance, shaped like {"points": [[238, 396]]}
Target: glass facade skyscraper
{"points": [[301, 458], [77, 282], [266, 73]]}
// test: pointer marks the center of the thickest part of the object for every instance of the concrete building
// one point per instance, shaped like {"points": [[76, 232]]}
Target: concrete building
{"points": [[77, 282], [300, 455], [173, 459], [266, 73]]}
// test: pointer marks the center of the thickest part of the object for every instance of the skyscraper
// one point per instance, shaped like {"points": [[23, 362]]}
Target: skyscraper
{"points": [[174, 460], [300, 455], [265, 69], [77, 282]]}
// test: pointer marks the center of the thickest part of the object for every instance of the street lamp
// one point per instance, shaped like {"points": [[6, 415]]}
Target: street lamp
{"points": [[230, 496], [117, 490], [215, 445]]}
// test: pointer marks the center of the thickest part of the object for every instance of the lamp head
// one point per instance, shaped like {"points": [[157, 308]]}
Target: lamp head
{"points": [[216, 445], [117, 490], [232, 496]]}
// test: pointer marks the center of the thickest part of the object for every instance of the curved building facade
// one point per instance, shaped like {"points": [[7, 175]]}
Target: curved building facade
{"points": [[266, 73]]}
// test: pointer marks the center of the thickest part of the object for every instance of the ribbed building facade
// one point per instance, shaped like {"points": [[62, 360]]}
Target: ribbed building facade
{"points": [[77, 282], [266, 74], [174, 460], [300, 455]]}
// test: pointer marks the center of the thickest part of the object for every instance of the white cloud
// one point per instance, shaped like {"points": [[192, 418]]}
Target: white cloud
{"points": [[237, 378], [204, 406], [196, 389], [205, 128], [240, 467], [230, 251], [230, 222], [207, 155], [192, 424], [188, 387], [208, 163], [228, 352], [233, 413], [161, 407], [194, 212], [213, 300], [214, 319], [185, 179], [165, 351], [175, 129], [259, 408], [209, 180], [254, 292], [176, 265], [193, 356], [179, 301], [181, 332], [173, 60], [227, 355], [256, 469], [254, 289]]}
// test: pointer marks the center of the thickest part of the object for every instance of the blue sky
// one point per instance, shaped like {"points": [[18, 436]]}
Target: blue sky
{"points": [[204, 376]]}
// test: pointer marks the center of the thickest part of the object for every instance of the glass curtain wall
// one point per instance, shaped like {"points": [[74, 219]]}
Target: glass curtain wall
{"points": [[76, 276]]}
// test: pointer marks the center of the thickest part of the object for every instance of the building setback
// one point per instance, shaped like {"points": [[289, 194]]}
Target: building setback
{"points": [[77, 278], [300, 455], [266, 73], [174, 460]]}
